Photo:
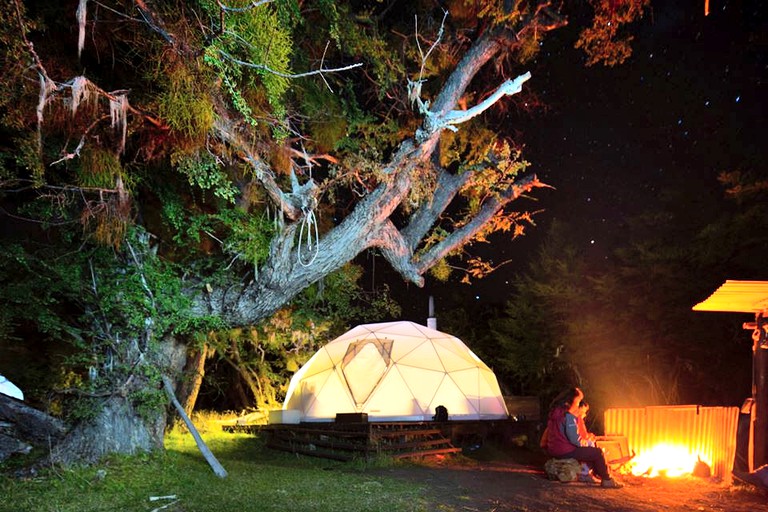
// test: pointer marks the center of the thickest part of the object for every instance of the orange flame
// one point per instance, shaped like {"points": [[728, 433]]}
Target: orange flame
{"points": [[664, 459]]}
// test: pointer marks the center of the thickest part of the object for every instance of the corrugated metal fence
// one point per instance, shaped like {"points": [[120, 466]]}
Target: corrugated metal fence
{"points": [[707, 432]]}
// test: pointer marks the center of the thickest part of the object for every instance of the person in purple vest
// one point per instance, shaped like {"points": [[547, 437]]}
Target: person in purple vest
{"points": [[563, 436]]}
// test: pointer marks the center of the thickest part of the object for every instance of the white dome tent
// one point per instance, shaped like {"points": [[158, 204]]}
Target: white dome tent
{"points": [[9, 388], [395, 371]]}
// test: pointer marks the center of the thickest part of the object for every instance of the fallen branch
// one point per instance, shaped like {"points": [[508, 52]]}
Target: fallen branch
{"points": [[158, 509]]}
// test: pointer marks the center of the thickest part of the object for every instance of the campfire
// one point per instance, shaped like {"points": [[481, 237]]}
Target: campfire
{"points": [[671, 440], [669, 460]]}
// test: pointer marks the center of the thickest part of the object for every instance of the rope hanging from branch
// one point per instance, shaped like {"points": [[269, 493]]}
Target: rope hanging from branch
{"points": [[312, 241]]}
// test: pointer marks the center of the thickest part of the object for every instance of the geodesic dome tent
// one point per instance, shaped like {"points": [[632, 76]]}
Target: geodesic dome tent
{"points": [[395, 371], [9, 388]]}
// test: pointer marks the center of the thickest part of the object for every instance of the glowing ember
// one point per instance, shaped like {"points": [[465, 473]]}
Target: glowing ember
{"points": [[664, 459]]}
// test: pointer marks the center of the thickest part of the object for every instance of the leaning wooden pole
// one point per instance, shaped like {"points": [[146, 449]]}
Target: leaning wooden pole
{"points": [[218, 469]]}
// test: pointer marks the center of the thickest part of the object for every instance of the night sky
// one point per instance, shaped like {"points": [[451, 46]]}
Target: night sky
{"points": [[690, 103]]}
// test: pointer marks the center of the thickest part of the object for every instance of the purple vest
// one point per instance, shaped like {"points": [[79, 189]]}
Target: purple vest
{"points": [[557, 443]]}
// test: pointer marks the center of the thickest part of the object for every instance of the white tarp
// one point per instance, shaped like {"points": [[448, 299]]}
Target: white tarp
{"points": [[395, 371], [9, 388]]}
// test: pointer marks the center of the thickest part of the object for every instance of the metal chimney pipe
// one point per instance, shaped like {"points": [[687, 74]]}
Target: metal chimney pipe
{"points": [[432, 321]]}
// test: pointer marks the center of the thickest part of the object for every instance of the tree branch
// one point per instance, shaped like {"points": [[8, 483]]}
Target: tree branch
{"points": [[154, 21], [396, 251], [289, 203], [289, 75], [461, 236], [508, 88], [448, 185]]}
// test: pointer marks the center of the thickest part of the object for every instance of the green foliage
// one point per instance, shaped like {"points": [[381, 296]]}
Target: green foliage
{"points": [[339, 298], [363, 42], [328, 123], [441, 271], [81, 408], [496, 172], [256, 37], [246, 236], [203, 171], [14, 65], [185, 104], [101, 304], [148, 402], [99, 168], [33, 289], [27, 156]]}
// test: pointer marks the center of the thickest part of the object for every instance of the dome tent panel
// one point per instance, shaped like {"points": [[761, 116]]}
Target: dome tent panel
{"points": [[455, 346], [479, 385], [453, 361], [459, 405], [393, 400], [422, 385], [320, 363], [418, 355], [324, 398]]}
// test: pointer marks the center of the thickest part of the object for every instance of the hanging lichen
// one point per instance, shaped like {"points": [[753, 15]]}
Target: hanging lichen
{"points": [[46, 88], [81, 19], [81, 93], [118, 112]]}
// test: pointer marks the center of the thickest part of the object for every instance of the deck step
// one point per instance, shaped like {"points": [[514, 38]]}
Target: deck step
{"points": [[439, 451]]}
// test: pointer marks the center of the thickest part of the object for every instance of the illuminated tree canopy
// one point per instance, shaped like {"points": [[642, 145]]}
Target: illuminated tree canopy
{"points": [[175, 167]]}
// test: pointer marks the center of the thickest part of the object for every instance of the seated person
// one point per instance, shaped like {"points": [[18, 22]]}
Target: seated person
{"points": [[586, 438], [563, 436]]}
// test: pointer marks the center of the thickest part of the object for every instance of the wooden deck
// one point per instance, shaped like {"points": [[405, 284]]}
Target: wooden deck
{"points": [[368, 440]]}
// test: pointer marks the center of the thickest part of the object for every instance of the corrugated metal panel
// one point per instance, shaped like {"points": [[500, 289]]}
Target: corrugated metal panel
{"points": [[737, 297], [707, 432]]}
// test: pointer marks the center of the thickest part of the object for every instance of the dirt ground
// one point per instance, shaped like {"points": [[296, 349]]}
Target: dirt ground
{"points": [[463, 484]]}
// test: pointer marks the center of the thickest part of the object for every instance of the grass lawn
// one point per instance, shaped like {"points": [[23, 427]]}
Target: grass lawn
{"points": [[259, 479]]}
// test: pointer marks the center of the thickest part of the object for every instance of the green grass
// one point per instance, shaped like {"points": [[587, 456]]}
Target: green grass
{"points": [[259, 479]]}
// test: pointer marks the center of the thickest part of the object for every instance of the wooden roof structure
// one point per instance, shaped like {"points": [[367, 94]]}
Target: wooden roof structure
{"points": [[737, 297], [750, 297]]}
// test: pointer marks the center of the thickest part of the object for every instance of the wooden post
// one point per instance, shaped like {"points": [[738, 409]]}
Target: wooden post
{"points": [[760, 394], [218, 469]]}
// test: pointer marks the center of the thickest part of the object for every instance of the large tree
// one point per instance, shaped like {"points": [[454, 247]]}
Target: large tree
{"points": [[175, 167]]}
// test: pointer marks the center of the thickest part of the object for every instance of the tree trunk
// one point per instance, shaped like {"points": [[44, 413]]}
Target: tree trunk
{"points": [[117, 428], [192, 379]]}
